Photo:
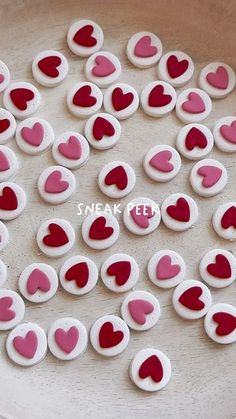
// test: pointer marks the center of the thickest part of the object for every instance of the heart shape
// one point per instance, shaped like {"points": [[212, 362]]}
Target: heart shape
{"points": [[221, 268], [48, 65], [104, 67], [4, 163], [219, 78], [138, 310], [161, 161], [226, 323], [165, 269], [180, 211], [33, 136], [72, 149], [190, 299], [2, 78], [26, 346], [108, 337], [176, 67], [99, 231], [55, 184], [144, 48], [67, 340], [195, 138], [117, 176], [84, 98], [121, 100], [38, 280], [158, 98], [4, 125], [8, 199], [78, 273], [194, 104], [229, 132], [102, 127], [121, 270], [151, 367], [211, 175], [229, 218], [57, 236], [84, 37], [141, 214], [6, 314], [20, 97]]}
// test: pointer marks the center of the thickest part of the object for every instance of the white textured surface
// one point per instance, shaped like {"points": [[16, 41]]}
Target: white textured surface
{"points": [[203, 378]]}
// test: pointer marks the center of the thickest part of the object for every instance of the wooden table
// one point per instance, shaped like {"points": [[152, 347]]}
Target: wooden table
{"points": [[203, 380]]}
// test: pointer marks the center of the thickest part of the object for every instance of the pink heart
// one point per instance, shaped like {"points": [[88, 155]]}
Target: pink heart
{"points": [[54, 184], [229, 132], [219, 79], [161, 161], [33, 136], [26, 346], [4, 163], [194, 104], [38, 280], [67, 341], [2, 78], [138, 309], [5, 313], [144, 49], [165, 269], [71, 149], [211, 175], [141, 214], [104, 67]]}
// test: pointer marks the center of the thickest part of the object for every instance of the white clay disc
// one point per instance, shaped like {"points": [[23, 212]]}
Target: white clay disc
{"points": [[56, 184], [78, 275], [150, 370], [12, 309], [218, 268], [121, 100], [38, 282], [55, 237], [71, 150], [166, 269], [224, 221], [220, 323], [102, 131], [85, 37], [84, 99], [142, 216], [217, 79], [179, 212], [176, 68], [162, 163], [191, 299], [193, 105], [208, 177], [109, 335], [100, 230], [21, 99], [120, 272], [67, 338], [144, 49]]}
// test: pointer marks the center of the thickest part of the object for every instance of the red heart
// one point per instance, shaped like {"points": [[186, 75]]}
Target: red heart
{"points": [[20, 97], [180, 211], [118, 177], [151, 367], [190, 299], [176, 67], [48, 65], [221, 268], [57, 236], [83, 36], [158, 98], [121, 100], [6, 314], [121, 270], [99, 231], [226, 323], [4, 125], [102, 127], [78, 273], [229, 218], [67, 341], [26, 346], [8, 200], [195, 138], [107, 337], [84, 98]]}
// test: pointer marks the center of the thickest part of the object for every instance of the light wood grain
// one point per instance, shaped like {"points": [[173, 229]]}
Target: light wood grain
{"points": [[203, 380]]}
